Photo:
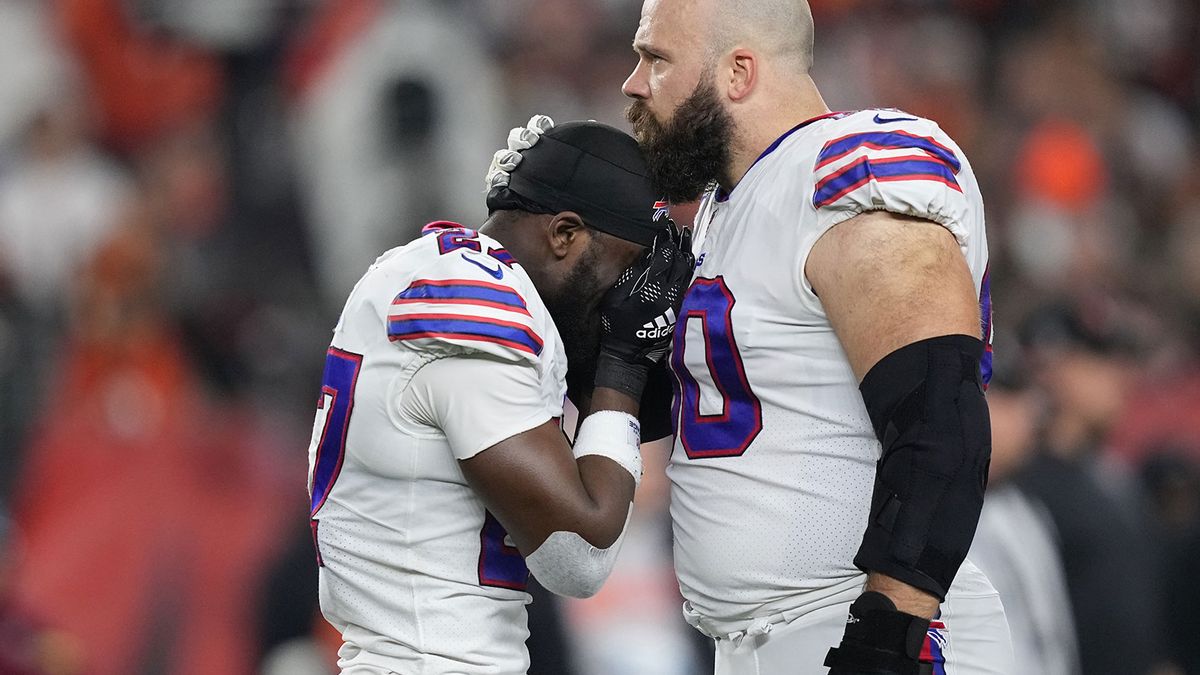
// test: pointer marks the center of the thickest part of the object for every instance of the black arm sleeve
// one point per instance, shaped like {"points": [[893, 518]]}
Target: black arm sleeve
{"points": [[927, 405]]}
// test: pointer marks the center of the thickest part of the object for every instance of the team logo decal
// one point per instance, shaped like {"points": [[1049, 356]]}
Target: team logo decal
{"points": [[661, 209]]}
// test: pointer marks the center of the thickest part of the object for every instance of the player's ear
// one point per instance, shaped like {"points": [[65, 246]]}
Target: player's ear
{"points": [[742, 74], [564, 232]]}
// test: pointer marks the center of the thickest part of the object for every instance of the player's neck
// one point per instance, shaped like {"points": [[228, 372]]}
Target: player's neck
{"points": [[519, 247], [774, 114]]}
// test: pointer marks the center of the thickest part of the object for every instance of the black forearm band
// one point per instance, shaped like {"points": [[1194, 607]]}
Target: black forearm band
{"points": [[926, 403], [616, 373]]}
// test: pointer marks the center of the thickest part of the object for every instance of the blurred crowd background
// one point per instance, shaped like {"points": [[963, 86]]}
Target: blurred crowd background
{"points": [[189, 188]]}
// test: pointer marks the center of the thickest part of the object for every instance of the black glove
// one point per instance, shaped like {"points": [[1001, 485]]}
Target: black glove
{"points": [[880, 640], [637, 315]]}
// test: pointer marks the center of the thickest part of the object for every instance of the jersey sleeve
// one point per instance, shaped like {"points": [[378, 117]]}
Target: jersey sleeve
{"points": [[466, 302], [895, 163], [476, 402]]}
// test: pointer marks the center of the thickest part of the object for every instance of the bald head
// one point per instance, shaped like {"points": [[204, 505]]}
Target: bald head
{"points": [[728, 76], [779, 29]]}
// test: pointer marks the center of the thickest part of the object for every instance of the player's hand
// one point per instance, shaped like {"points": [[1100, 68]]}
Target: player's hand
{"points": [[505, 160], [880, 640], [637, 315]]}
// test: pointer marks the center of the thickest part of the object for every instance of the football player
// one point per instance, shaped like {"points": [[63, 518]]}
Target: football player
{"points": [[440, 477], [830, 359]]}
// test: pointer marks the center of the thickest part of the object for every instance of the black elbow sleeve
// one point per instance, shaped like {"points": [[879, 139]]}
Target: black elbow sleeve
{"points": [[927, 405]]}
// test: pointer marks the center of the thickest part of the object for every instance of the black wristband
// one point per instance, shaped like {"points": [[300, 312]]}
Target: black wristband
{"points": [[614, 372]]}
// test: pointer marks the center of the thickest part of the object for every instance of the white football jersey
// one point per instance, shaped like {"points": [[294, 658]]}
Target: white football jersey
{"points": [[414, 571], [774, 459]]}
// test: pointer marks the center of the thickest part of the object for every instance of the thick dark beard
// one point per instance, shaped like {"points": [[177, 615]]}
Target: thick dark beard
{"points": [[691, 149]]}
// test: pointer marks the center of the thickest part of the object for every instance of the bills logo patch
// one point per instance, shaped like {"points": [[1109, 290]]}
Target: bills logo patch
{"points": [[661, 209]]}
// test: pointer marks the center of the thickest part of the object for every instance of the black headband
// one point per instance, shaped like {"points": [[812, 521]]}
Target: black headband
{"points": [[589, 168]]}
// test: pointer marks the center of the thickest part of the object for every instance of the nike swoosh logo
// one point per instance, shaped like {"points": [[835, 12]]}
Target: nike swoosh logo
{"points": [[497, 273], [886, 120]]}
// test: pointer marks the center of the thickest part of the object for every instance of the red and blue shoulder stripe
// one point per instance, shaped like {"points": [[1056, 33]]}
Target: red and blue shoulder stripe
{"points": [[458, 327], [463, 310], [924, 159], [462, 292]]}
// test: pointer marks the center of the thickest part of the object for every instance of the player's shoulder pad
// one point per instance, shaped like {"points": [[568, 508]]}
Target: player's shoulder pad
{"points": [[467, 295], [886, 159]]}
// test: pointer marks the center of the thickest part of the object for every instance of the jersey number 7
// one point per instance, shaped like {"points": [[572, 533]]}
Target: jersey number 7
{"points": [[336, 404], [333, 418]]}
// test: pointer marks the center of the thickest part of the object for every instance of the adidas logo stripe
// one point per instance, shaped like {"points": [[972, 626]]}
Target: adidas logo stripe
{"points": [[660, 326]]}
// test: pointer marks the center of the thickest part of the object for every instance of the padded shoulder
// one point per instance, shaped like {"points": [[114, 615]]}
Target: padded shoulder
{"points": [[888, 160], [465, 294]]}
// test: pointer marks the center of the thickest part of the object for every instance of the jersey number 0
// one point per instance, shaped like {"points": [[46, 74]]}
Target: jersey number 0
{"points": [[730, 432]]}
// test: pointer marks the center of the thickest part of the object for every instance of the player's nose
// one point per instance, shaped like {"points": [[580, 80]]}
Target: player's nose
{"points": [[637, 85]]}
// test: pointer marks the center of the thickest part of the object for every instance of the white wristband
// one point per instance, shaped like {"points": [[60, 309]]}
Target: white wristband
{"points": [[615, 435]]}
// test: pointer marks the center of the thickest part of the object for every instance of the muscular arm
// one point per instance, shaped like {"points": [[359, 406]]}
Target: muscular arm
{"points": [[565, 515], [887, 281], [535, 487]]}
